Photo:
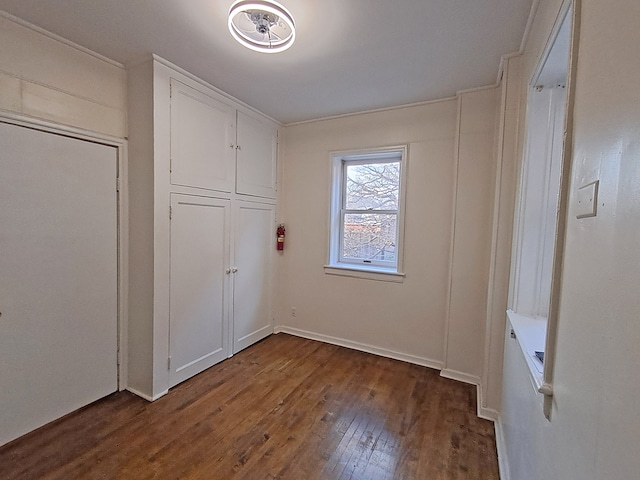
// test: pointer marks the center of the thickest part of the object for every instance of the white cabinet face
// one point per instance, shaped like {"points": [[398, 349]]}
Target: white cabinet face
{"points": [[257, 150], [202, 140], [254, 244], [198, 320], [58, 286]]}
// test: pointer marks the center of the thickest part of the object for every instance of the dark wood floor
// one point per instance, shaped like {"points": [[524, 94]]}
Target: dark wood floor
{"points": [[285, 408]]}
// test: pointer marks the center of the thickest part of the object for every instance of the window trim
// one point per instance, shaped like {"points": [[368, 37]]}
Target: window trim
{"points": [[569, 14], [336, 264]]}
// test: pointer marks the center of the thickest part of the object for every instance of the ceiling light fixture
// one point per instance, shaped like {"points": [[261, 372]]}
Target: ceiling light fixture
{"points": [[262, 25]]}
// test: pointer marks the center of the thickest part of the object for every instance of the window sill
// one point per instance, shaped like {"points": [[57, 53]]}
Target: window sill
{"points": [[370, 273], [531, 335]]}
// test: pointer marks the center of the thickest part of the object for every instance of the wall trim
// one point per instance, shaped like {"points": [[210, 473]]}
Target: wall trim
{"points": [[58, 38], [487, 413], [477, 89], [363, 347], [60, 128], [481, 412], [503, 461], [484, 412], [527, 28], [374, 110], [460, 376], [454, 206], [204, 83], [145, 396], [123, 218]]}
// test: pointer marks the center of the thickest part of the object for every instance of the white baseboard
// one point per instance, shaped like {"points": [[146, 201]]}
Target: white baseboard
{"points": [[488, 413], [501, 446], [485, 412], [460, 376], [482, 412], [145, 396], [383, 352]]}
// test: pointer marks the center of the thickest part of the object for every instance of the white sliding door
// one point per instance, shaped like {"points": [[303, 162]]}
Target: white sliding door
{"points": [[199, 282], [58, 276]]}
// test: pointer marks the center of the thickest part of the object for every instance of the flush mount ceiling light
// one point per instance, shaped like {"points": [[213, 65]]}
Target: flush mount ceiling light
{"points": [[262, 25]]}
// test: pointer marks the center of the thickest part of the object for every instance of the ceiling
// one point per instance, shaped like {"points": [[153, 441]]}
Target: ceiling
{"points": [[349, 55]]}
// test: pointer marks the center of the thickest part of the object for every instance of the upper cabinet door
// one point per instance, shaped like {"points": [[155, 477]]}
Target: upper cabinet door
{"points": [[202, 140], [256, 158]]}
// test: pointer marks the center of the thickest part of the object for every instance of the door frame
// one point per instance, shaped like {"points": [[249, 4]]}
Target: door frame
{"points": [[122, 227]]}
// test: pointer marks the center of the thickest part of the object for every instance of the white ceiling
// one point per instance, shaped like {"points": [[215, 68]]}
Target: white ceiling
{"points": [[349, 55]]}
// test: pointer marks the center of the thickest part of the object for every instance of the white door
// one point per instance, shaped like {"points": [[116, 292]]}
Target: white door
{"points": [[58, 276], [202, 140], [257, 149], [199, 282], [254, 243]]}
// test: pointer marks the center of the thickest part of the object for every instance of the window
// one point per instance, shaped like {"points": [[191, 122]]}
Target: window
{"points": [[539, 229], [366, 210]]}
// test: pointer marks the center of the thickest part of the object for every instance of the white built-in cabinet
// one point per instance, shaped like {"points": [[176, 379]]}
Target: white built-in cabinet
{"points": [[216, 147], [202, 215]]}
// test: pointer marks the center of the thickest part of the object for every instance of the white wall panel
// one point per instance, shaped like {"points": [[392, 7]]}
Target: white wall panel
{"points": [[472, 232], [60, 83]]}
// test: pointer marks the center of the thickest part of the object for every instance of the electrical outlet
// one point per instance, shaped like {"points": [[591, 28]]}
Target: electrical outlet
{"points": [[293, 311]]}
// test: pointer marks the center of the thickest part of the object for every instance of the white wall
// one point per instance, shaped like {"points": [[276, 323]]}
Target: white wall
{"points": [[451, 145], [46, 78], [407, 318], [593, 432]]}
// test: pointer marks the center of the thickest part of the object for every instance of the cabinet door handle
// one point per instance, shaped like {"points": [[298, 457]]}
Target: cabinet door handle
{"points": [[238, 147], [232, 146], [227, 271], [234, 270]]}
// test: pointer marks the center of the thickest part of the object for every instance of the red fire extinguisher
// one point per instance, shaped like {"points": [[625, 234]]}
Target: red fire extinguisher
{"points": [[280, 232]]}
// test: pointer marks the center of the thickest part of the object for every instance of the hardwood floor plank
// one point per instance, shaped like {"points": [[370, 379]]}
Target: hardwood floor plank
{"points": [[285, 408]]}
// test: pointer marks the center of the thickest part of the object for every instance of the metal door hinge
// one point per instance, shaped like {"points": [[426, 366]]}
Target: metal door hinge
{"points": [[117, 184]]}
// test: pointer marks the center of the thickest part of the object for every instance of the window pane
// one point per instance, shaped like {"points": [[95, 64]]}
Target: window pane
{"points": [[372, 186], [370, 236]]}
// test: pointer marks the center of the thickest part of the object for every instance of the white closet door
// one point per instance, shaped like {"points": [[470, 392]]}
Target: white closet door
{"points": [[257, 149], [202, 140], [253, 250], [199, 260], [58, 277]]}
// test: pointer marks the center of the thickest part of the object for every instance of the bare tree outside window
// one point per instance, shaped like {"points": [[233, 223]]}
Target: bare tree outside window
{"points": [[370, 211]]}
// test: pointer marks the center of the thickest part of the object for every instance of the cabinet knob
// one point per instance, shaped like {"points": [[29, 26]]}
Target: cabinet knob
{"points": [[227, 271], [234, 270], [232, 146], [238, 147]]}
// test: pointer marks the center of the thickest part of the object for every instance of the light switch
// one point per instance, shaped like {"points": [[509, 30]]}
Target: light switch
{"points": [[588, 200]]}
